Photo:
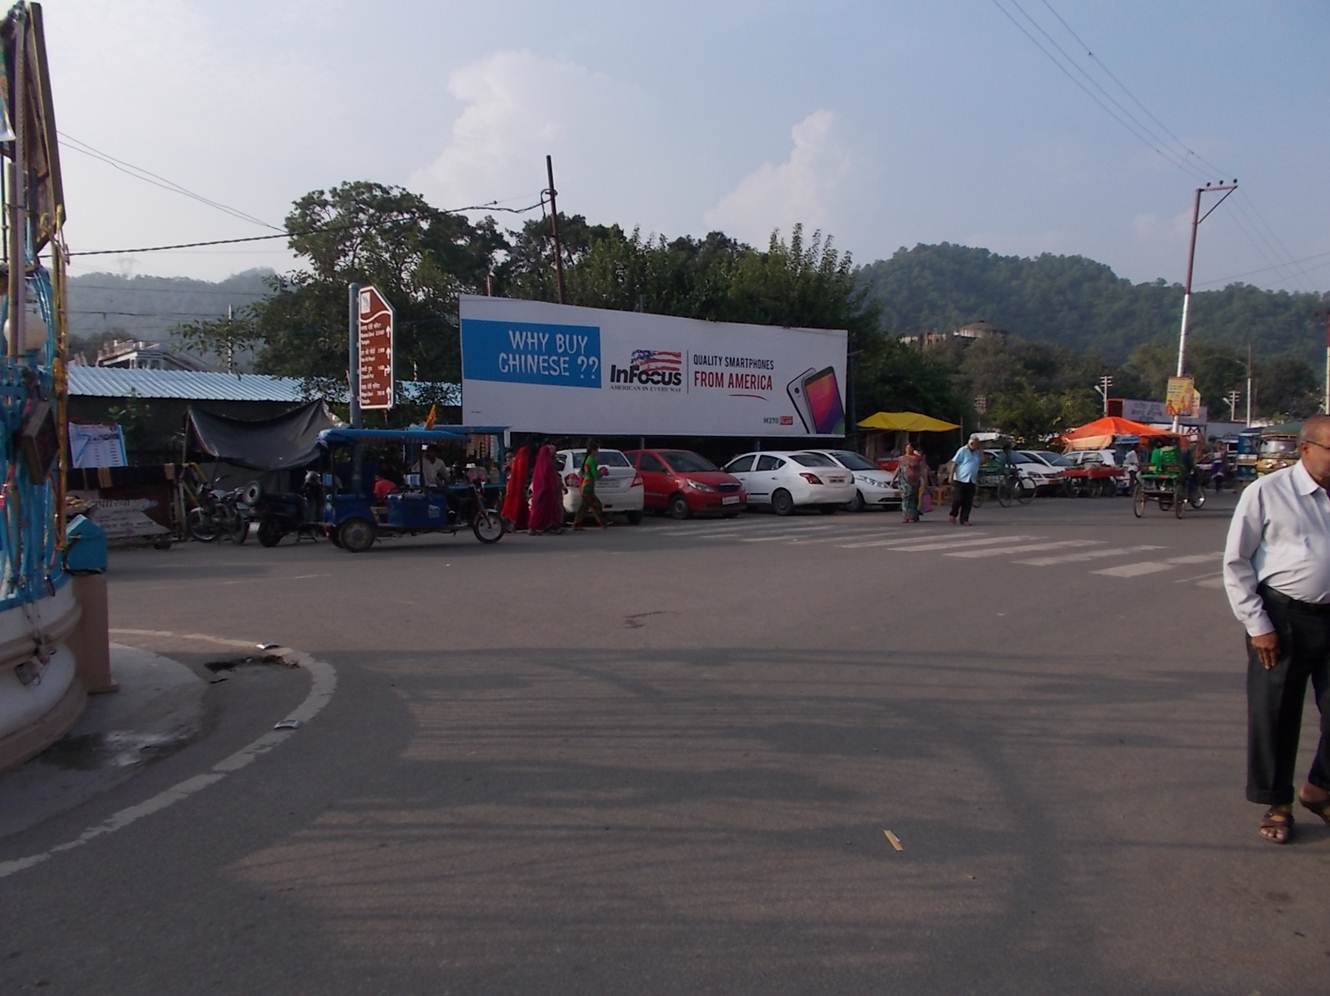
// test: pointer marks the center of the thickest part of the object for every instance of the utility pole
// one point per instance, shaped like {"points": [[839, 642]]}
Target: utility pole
{"points": [[554, 228], [1232, 398], [1105, 382], [1249, 385], [1196, 220], [1325, 403]]}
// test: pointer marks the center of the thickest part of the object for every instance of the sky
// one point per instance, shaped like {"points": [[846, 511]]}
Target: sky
{"points": [[885, 124]]}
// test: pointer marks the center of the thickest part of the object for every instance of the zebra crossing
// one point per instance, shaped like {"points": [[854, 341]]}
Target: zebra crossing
{"points": [[1034, 550]]}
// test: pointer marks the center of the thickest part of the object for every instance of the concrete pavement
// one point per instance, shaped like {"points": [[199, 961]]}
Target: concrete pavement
{"points": [[665, 759]]}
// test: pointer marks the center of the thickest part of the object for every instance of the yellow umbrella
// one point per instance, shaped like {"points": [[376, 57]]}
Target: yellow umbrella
{"points": [[906, 422]]}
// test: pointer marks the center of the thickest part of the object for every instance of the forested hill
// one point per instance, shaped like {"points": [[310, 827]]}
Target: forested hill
{"points": [[1080, 304], [106, 305]]}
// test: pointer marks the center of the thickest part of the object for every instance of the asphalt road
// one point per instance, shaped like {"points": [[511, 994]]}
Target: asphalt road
{"points": [[665, 758]]}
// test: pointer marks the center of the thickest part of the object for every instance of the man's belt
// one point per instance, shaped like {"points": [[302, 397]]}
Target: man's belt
{"points": [[1279, 598]]}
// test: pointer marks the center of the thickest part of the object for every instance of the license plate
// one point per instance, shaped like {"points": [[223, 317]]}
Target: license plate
{"points": [[730, 500]]}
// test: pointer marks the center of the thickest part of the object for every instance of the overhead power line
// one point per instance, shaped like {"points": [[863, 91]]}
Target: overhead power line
{"points": [[155, 179], [491, 206]]}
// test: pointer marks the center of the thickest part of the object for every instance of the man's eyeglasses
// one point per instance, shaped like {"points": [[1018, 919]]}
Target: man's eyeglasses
{"points": [[1324, 446]]}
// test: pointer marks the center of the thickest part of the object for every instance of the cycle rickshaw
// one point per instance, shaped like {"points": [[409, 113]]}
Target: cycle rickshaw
{"points": [[1169, 485]]}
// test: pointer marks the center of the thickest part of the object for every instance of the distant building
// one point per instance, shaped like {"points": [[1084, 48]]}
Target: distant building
{"points": [[136, 354], [966, 333]]}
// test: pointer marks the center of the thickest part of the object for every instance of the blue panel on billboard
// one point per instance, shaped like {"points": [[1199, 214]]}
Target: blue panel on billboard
{"points": [[531, 353]]}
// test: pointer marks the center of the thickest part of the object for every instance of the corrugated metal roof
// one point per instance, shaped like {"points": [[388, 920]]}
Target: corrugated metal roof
{"points": [[198, 385]]}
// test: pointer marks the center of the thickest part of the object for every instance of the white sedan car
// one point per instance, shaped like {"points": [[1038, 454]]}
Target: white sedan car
{"points": [[873, 486], [619, 488], [787, 480]]}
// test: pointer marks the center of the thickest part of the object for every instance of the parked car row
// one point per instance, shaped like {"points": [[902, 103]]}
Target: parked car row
{"points": [[681, 483]]}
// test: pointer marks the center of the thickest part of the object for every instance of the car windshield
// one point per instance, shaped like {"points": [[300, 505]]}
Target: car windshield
{"points": [[688, 462], [607, 458], [812, 460], [852, 460], [1277, 447], [1056, 459]]}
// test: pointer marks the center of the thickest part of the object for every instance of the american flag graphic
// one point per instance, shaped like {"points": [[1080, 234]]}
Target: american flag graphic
{"points": [[649, 360]]}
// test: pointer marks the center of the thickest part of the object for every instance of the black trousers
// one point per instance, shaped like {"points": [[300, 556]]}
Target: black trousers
{"points": [[1274, 700], [962, 499]]}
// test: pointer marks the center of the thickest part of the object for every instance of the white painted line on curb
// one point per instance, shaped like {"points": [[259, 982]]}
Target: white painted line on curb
{"points": [[998, 551], [323, 682], [1071, 558]]}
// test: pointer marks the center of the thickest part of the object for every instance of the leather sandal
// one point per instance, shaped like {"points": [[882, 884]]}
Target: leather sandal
{"points": [[1276, 831]]}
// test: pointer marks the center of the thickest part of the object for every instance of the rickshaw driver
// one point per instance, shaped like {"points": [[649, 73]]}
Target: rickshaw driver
{"points": [[433, 471]]}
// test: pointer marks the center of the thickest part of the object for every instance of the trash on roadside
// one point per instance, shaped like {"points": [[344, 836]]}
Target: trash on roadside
{"points": [[266, 646], [289, 724], [893, 840]]}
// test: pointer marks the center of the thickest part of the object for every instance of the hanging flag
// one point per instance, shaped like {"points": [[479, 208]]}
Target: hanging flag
{"points": [[432, 417]]}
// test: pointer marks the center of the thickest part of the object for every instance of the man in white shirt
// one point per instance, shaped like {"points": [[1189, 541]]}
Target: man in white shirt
{"points": [[433, 471], [1277, 574]]}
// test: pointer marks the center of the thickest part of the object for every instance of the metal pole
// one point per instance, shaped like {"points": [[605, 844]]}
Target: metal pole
{"points": [[1249, 385], [554, 230], [1325, 407], [1186, 294], [18, 187], [353, 352]]}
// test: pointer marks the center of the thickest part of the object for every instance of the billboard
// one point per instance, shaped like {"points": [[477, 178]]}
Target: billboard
{"points": [[552, 368]]}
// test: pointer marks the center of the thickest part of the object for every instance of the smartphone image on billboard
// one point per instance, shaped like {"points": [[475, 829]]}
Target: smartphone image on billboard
{"points": [[821, 392], [795, 389]]}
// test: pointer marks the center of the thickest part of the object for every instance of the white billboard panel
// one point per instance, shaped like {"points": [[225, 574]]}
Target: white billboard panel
{"points": [[538, 367]]}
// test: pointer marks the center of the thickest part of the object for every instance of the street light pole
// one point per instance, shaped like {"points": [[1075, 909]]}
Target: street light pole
{"points": [[1105, 382], [1196, 220]]}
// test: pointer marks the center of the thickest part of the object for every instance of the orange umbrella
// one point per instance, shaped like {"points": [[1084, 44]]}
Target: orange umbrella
{"points": [[1112, 425]]}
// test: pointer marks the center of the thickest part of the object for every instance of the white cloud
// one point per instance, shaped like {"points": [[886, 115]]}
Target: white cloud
{"points": [[814, 185], [518, 107]]}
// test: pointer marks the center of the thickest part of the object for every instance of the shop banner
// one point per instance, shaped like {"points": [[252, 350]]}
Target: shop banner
{"points": [[1181, 396], [538, 367]]}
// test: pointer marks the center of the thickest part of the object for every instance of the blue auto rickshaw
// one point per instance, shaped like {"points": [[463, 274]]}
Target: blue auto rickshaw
{"points": [[355, 516]]}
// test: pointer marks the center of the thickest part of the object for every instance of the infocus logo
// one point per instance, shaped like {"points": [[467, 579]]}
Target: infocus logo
{"points": [[647, 378]]}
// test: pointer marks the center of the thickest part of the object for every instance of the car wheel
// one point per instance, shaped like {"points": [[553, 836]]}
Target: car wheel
{"points": [[678, 507], [857, 504], [782, 503], [634, 518], [356, 535]]}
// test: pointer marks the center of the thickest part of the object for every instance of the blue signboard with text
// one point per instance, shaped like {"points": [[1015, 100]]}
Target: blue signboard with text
{"points": [[531, 353]]}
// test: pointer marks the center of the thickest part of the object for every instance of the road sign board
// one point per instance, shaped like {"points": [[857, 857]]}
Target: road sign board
{"points": [[375, 340]]}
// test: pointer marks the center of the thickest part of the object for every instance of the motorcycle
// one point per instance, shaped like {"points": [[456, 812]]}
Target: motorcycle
{"points": [[220, 513], [283, 512]]}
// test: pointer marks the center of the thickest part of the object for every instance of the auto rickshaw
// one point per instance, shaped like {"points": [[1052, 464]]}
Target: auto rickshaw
{"points": [[1279, 448], [355, 516]]}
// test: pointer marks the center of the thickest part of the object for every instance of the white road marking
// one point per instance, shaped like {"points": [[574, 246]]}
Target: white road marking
{"points": [[1211, 582], [1069, 558], [276, 577], [774, 537], [1158, 566], [998, 551], [923, 543], [323, 682]]}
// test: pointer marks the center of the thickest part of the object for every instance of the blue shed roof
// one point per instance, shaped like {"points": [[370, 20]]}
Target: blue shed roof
{"points": [[200, 385]]}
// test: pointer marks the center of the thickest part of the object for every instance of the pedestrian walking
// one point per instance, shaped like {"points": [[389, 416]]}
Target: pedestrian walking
{"points": [[965, 479], [514, 508], [590, 474], [913, 472], [546, 515], [1277, 575]]}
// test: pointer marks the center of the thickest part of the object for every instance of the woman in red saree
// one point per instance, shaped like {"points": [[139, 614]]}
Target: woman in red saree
{"points": [[514, 507], [546, 493]]}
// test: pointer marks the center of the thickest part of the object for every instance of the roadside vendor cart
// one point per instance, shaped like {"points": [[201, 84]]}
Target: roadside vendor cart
{"points": [[355, 517]]}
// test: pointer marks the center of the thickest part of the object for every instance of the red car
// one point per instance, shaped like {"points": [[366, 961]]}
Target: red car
{"points": [[683, 483]]}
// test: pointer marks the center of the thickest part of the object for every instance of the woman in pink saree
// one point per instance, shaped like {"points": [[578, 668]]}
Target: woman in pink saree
{"points": [[546, 494]]}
